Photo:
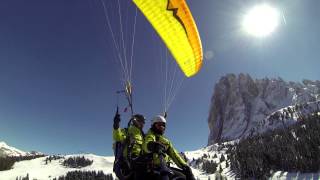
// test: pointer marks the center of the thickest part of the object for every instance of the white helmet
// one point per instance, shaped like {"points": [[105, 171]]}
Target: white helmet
{"points": [[158, 119]]}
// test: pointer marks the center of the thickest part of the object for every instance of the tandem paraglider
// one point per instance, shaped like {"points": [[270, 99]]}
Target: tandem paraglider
{"points": [[139, 156]]}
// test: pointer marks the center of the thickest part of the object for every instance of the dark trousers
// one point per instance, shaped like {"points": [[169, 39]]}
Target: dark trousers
{"points": [[141, 169], [177, 174]]}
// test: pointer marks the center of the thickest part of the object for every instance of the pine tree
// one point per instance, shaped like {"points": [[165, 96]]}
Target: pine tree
{"points": [[6, 163], [215, 156], [227, 164], [222, 158]]}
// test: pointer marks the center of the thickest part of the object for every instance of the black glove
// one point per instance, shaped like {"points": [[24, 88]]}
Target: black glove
{"points": [[156, 147], [116, 120], [188, 172]]}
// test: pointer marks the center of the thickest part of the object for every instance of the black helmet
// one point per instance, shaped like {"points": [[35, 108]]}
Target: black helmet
{"points": [[139, 117]]}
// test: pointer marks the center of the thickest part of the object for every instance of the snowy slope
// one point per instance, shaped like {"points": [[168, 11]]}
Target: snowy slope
{"points": [[6, 150], [37, 169], [287, 116], [215, 149], [208, 153]]}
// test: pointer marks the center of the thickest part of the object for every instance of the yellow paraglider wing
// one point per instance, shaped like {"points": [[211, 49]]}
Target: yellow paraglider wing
{"points": [[174, 23]]}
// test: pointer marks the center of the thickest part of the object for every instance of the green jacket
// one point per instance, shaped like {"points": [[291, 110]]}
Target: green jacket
{"points": [[171, 152], [135, 139]]}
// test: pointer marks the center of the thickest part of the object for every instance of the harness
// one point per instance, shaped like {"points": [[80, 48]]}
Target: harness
{"points": [[121, 166], [124, 167]]}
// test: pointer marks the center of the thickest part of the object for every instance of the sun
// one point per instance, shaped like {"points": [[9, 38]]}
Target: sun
{"points": [[261, 20]]}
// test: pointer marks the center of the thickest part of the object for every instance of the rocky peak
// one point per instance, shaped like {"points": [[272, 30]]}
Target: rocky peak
{"points": [[240, 103]]}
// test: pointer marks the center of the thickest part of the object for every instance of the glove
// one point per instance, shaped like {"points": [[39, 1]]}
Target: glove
{"points": [[188, 172], [116, 120], [156, 147]]}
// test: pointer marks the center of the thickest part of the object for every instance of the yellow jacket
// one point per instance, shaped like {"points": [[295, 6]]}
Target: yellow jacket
{"points": [[135, 139]]}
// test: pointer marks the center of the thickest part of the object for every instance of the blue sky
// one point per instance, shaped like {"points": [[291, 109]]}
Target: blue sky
{"points": [[59, 73]]}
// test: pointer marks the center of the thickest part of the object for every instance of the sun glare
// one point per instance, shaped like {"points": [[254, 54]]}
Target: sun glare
{"points": [[261, 20]]}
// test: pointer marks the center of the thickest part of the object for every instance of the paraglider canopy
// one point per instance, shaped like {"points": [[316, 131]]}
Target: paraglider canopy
{"points": [[174, 23]]}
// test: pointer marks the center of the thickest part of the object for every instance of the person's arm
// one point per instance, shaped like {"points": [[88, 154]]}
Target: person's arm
{"points": [[116, 120], [117, 133], [180, 162], [176, 157]]}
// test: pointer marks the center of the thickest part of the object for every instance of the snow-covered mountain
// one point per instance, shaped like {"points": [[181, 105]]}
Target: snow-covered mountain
{"points": [[6, 150], [40, 170], [241, 105]]}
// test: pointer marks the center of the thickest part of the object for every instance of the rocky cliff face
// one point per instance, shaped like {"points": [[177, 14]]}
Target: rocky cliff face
{"points": [[241, 105]]}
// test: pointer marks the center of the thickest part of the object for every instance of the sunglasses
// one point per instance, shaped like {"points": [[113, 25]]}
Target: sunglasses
{"points": [[142, 122], [161, 124]]}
